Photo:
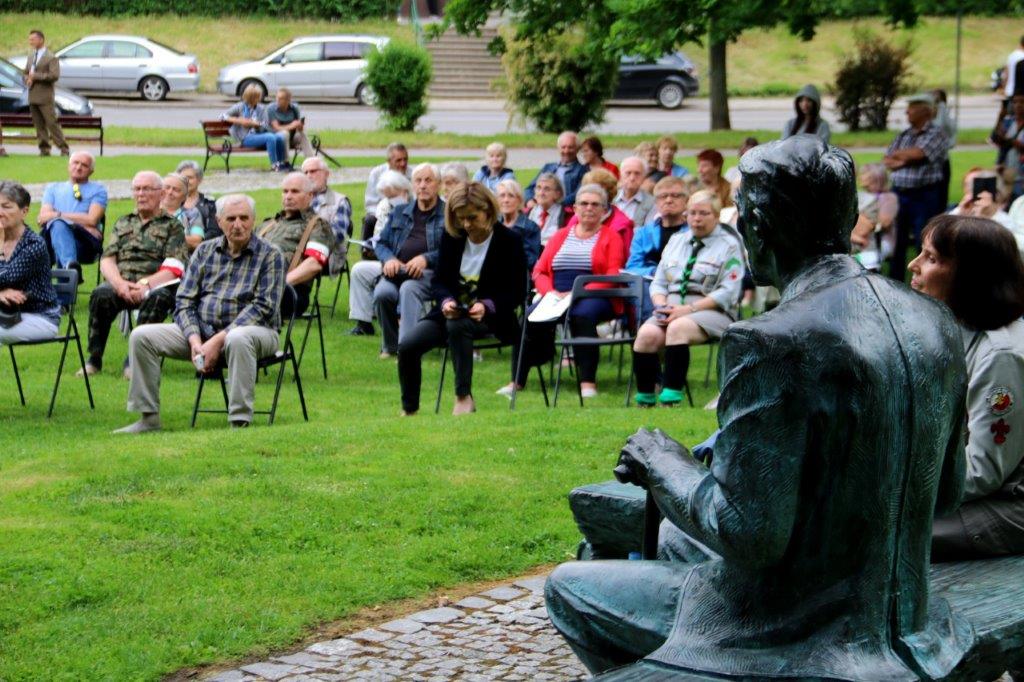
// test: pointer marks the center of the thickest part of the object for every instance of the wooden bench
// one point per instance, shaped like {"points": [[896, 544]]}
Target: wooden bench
{"points": [[67, 122], [219, 142]]}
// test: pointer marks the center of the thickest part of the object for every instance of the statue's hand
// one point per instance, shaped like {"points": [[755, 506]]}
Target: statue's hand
{"points": [[644, 450]]}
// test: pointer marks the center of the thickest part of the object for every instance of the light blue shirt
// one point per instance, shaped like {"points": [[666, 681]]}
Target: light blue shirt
{"points": [[61, 195]]}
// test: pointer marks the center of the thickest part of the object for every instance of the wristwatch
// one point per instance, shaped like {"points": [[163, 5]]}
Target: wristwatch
{"points": [[144, 281]]}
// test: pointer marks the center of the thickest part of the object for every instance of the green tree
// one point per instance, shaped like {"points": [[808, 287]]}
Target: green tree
{"points": [[398, 76]]}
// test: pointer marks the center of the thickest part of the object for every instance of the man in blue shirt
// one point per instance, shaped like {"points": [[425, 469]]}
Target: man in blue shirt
{"points": [[72, 213], [567, 169]]}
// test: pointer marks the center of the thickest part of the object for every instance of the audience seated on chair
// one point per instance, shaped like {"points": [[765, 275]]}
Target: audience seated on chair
{"points": [[71, 216], [228, 306], [614, 219], [586, 248], [695, 292], [548, 212], [398, 161], [637, 204], [193, 172], [567, 169], [666, 165], [173, 204], [510, 206], [147, 253], [453, 174], [305, 239], [494, 171], [333, 207], [709, 171], [28, 303], [649, 240], [987, 204], [974, 266], [479, 283], [873, 237], [592, 156]]}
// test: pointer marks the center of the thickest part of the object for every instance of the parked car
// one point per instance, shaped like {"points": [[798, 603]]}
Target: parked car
{"points": [[14, 94], [317, 66], [668, 80], [125, 64]]}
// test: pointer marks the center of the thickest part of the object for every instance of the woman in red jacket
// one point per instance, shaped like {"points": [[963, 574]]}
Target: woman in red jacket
{"points": [[613, 218], [583, 249]]}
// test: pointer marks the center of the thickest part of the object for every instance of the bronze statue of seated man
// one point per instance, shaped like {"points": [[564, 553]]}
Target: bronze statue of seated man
{"points": [[801, 548]]}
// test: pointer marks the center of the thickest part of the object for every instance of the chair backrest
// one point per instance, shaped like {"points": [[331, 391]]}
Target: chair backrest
{"points": [[217, 128], [65, 283], [625, 285]]}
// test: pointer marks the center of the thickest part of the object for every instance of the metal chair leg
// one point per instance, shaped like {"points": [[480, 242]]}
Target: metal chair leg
{"points": [[81, 361], [320, 332], [56, 382], [277, 392], [224, 393], [558, 377], [440, 384], [337, 290], [199, 397], [17, 375], [543, 388], [298, 386]]}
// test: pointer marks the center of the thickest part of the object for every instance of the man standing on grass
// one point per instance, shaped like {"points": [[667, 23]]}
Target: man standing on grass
{"points": [[72, 215], [228, 304], [42, 70]]}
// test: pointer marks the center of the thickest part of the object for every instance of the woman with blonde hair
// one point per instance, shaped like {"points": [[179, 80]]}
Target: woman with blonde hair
{"points": [[494, 171], [479, 282], [510, 204], [249, 127]]}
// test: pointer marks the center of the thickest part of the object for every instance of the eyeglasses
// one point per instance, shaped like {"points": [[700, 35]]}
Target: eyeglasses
{"points": [[77, 190], [590, 204], [670, 195]]}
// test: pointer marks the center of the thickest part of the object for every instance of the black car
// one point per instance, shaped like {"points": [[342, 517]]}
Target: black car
{"points": [[668, 80], [14, 94]]}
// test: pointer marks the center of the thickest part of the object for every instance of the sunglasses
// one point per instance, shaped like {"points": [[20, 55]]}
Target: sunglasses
{"points": [[77, 190]]}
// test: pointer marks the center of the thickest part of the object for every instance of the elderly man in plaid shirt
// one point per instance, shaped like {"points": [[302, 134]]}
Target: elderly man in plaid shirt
{"points": [[228, 303]]}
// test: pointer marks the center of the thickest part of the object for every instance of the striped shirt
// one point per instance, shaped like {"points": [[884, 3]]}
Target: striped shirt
{"points": [[576, 253], [219, 292]]}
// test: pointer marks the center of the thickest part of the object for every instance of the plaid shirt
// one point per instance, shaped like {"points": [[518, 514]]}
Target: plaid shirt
{"points": [[219, 292], [336, 210], [934, 142]]}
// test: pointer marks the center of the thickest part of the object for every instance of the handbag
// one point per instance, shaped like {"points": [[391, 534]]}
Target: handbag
{"points": [[9, 317]]}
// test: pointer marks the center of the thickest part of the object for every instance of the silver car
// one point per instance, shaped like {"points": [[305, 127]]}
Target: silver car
{"points": [[125, 64], [318, 66]]}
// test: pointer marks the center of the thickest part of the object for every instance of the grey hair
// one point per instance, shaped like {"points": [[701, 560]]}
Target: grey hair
{"points": [[455, 170], [395, 147], [320, 163], [551, 177], [511, 186], [16, 193], [150, 174], [194, 166], [180, 178], [88, 155], [228, 199], [306, 182], [394, 180], [427, 166], [643, 163], [593, 188]]}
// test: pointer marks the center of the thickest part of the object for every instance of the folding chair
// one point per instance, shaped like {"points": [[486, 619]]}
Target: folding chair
{"points": [[625, 286], [313, 313], [281, 358], [66, 284], [346, 274]]}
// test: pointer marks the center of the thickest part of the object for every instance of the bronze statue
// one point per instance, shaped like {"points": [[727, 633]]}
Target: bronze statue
{"points": [[802, 548]]}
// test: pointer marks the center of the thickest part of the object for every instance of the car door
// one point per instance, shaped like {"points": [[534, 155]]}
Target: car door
{"points": [[81, 66], [343, 63], [124, 64], [12, 93], [298, 68]]}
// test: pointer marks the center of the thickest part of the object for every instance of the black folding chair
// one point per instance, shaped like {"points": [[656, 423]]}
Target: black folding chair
{"points": [[66, 284], [625, 286], [313, 313], [344, 273], [280, 358]]}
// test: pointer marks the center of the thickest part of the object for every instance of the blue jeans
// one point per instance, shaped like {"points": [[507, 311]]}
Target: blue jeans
{"points": [[272, 142], [69, 242]]}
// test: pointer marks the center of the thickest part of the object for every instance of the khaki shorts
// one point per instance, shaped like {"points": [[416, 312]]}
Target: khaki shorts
{"points": [[713, 322]]}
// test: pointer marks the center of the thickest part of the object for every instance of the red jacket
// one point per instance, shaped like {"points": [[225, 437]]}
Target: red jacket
{"points": [[619, 222], [606, 259]]}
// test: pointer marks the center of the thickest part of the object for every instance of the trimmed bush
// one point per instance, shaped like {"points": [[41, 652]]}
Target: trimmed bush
{"points": [[559, 81], [341, 10], [399, 75], [870, 79]]}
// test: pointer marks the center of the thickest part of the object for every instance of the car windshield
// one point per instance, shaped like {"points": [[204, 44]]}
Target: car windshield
{"points": [[166, 47], [11, 70], [276, 49]]}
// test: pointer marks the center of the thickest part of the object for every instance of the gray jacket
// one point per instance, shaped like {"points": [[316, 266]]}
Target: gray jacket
{"points": [[822, 130], [237, 110], [640, 208]]}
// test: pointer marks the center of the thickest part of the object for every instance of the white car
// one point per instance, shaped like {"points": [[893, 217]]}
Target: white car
{"points": [[125, 64], [318, 66]]}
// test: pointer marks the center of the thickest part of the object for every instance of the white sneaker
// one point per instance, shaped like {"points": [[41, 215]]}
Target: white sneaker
{"points": [[508, 390], [588, 392]]}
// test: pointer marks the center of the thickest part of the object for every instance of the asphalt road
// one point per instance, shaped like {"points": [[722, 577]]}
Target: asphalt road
{"points": [[487, 117]]}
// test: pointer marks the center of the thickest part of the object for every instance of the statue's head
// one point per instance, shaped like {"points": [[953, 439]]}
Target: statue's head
{"points": [[797, 202]]}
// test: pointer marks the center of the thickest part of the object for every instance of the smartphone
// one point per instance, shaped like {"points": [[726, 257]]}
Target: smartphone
{"points": [[983, 185]]}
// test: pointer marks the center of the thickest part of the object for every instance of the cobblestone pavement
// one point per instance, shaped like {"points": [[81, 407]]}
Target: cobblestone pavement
{"points": [[500, 634]]}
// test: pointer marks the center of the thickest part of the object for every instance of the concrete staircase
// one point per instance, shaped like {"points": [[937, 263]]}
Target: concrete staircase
{"points": [[463, 68]]}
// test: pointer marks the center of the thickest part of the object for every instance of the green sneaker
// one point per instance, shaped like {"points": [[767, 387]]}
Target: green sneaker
{"points": [[646, 400], [670, 397]]}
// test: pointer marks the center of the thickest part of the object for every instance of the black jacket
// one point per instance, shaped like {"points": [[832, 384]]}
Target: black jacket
{"points": [[502, 280]]}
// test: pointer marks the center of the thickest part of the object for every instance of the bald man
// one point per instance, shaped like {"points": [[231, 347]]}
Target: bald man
{"points": [[147, 252], [567, 169], [71, 216], [631, 200]]}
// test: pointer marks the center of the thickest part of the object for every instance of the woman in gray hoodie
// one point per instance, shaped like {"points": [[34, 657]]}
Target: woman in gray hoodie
{"points": [[808, 118]]}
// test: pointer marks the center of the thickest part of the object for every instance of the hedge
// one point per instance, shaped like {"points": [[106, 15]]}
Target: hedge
{"points": [[344, 10]]}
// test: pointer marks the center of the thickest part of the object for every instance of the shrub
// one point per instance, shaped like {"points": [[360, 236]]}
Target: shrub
{"points": [[870, 79], [558, 81], [399, 75]]}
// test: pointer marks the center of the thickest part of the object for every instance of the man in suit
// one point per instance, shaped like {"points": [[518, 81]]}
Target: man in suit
{"points": [[41, 73], [801, 548], [567, 169]]}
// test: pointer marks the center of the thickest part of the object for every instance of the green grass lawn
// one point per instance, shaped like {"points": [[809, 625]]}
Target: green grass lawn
{"points": [[133, 557]]}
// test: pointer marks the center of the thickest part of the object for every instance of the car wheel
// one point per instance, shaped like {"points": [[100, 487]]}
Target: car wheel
{"points": [[670, 96], [153, 88], [365, 95], [244, 85]]}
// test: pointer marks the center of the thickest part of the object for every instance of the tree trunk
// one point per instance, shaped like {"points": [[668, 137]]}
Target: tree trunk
{"points": [[719, 96]]}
